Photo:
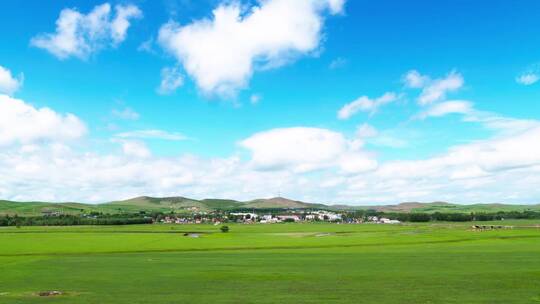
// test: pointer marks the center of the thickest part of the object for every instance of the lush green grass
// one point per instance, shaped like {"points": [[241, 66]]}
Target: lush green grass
{"points": [[283, 263]]}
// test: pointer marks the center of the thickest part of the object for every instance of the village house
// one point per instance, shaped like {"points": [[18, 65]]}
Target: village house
{"points": [[292, 217], [388, 221], [245, 216]]}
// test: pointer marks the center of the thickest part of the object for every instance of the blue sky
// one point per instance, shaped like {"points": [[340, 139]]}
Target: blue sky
{"points": [[242, 100]]}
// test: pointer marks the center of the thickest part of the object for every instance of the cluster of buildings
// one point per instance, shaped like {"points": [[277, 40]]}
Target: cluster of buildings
{"points": [[252, 217], [188, 220], [248, 217], [381, 220]]}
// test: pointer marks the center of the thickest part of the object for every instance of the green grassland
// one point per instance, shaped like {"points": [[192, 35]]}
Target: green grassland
{"points": [[282, 263]]}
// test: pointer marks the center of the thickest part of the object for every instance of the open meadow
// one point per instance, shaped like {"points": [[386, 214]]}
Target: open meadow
{"points": [[281, 263]]}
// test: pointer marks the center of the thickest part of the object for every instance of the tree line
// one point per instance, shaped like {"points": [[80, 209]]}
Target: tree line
{"points": [[445, 217], [73, 220]]}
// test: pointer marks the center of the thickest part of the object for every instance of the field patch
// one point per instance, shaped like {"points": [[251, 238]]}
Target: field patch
{"points": [[289, 263]]}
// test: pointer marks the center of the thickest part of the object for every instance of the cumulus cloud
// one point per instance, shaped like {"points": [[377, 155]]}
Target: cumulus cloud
{"points": [[365, 104], [23, 123], [222, 53], [152, 134], [8, 83], [313, 164], [171, 79], [304, 149], [498, 154], [505, 168], [433, 90], [79, 35]]}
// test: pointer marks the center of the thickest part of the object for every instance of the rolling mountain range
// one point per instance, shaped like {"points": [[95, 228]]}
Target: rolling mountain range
{"points": [[180, 204]]}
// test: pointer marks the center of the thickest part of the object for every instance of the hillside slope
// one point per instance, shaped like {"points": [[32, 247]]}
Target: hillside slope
{"points": [[279, 202], [181, 204]]}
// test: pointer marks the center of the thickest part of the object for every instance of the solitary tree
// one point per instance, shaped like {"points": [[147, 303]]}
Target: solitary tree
{"points": [[224, 228]]}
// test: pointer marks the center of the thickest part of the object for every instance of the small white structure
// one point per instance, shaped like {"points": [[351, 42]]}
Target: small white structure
{"points": [[293, 217], [324, 216], [310, 217], [246, 216], [388, 221], [267, 217]]}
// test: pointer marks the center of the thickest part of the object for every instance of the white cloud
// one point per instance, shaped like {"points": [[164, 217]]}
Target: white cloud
{"points": [[222, 53], [9, 84], [433, 90], [365, 104], [126, 113], [304, 149], [501, 169], [527, 79], [152, 134], [312, 164], [413, 79], [448, 107], [121, 22], [23, 123], [81, 35], [488, 156], [171, 79]]}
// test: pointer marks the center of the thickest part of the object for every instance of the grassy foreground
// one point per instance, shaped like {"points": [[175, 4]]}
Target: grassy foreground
{"points": [[283, 263]]}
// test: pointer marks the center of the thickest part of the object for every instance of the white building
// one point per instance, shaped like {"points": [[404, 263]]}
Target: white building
{"points": [[246, 216], [295, 218], [388, 221]]}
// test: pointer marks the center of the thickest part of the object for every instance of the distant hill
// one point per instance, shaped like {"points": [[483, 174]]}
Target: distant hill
{"points": [[38, 208], [280, 202], [179, 204], [162, 204], [445, 207]]}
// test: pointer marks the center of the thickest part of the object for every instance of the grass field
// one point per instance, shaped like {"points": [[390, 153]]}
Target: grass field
{"points": [[282, 263]]}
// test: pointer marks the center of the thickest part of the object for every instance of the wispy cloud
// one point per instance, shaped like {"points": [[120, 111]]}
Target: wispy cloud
{"points": [[338, 63], [528, 79], [126, 113], [365, 104], [433, 90], [530, 76], [448, 107], [152, 134], [171, 79]]}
